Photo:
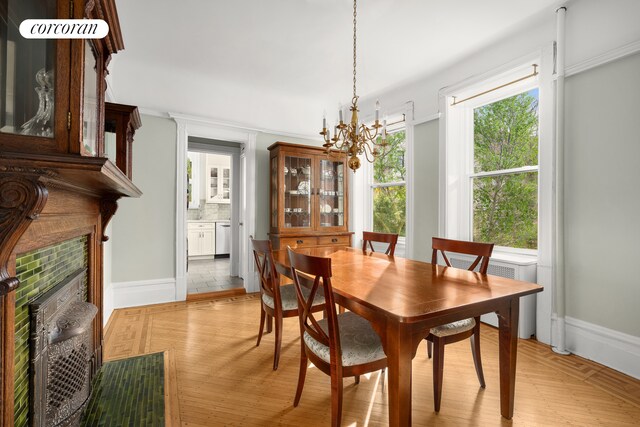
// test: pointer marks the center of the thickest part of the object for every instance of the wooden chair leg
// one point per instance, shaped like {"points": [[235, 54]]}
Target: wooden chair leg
{"points": [[276, 354], [429, 349], [336, 400], [357, 379], [269, 323], [475, 351], [301, 375], [262, 316], [438, 370]]}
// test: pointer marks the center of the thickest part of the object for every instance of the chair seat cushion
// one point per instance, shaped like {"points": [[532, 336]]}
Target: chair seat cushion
{"points": [[289, 299], [453, 327], [359, 342]]}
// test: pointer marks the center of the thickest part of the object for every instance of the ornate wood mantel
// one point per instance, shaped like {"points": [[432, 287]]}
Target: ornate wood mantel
{"points": [[58, 185], [45, 199]]}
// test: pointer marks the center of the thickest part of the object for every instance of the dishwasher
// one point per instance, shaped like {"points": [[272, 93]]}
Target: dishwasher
{"points": [[223, 236]]}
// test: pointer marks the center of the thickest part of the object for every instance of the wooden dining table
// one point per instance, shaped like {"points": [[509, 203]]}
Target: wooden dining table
{"points": [[403, 299]]}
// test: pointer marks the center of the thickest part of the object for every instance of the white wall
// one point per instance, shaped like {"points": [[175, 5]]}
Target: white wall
{"points": [[425, 148], [602, 199], [143, 236], [143, 229]]}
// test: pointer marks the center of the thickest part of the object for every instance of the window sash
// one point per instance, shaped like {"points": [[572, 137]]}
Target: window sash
{"points": [[513, 171], [388, 184]]}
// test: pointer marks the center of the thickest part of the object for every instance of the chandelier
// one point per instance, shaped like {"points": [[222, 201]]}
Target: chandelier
{"points": [[354, 138]]}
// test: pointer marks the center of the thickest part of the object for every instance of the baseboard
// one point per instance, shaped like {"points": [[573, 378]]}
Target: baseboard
{"points": [[216, 295], [143, 292], [107, 306], [611, 348]]}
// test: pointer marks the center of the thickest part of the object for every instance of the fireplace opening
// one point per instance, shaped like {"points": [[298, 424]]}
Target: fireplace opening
{"points": [[61, 353]]}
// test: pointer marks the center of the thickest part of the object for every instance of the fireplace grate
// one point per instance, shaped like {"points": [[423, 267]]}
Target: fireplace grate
{"points": [[62, 359], [68, 375]]}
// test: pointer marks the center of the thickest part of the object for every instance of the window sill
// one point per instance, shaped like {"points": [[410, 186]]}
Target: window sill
{"points": [[513, 258]]}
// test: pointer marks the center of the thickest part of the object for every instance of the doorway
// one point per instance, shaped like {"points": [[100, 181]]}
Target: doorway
{"points": [[187, 128], [212, 207]]}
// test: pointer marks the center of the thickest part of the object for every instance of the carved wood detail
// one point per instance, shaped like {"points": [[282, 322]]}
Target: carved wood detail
{"points": [[22, 198], [108, 208]]}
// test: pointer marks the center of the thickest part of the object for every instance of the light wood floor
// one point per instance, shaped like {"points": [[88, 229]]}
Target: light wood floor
{"points": [[224, 379]]}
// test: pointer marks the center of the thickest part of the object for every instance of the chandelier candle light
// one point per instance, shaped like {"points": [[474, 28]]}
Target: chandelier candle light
{"points": [[356, 138]]}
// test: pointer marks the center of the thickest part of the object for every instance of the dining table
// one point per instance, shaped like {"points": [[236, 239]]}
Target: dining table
{"points": [[403, 299]]}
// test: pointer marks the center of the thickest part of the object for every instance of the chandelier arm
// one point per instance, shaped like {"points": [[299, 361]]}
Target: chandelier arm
{"points": [[366, 153]]}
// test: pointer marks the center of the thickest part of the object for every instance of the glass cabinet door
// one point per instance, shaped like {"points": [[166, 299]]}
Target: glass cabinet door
{"points": [[27, 79], [226, 184], [331, 194], [213, 183], [297, 192], [90, 103]]}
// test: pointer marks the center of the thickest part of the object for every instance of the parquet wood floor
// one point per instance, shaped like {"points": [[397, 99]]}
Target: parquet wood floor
{"points": [[225, 380]]}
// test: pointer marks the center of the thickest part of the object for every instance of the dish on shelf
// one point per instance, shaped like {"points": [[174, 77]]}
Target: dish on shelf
{"points": [[303, 187], [327, 208]]}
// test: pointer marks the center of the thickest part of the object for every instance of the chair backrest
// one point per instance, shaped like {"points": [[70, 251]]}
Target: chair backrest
{"points": [[307, 268], [370, 236], [269, 284], [481, 250]]}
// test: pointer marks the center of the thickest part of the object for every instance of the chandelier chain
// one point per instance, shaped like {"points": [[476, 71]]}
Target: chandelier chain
{"points": [[354, 50]]}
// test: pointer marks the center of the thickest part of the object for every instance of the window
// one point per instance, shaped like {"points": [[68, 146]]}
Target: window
{"points": [[388, 187], [504, 180]]}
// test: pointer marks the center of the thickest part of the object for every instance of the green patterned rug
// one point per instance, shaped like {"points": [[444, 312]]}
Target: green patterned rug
{"points": [[128, 392]]}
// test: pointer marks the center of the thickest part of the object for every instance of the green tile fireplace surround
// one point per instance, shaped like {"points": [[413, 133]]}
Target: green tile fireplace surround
{"points": [[39, 271]]}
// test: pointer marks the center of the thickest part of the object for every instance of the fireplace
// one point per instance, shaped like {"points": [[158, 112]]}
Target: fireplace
{"points": [[61, 353]]}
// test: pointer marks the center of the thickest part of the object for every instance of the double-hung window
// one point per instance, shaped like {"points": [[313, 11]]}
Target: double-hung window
{"points": [[492, 163], [504, 179], [388, 186]]}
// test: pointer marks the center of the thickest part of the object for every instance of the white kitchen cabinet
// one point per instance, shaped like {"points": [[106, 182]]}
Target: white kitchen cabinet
{"points": [[202, 239], [218, 179]]}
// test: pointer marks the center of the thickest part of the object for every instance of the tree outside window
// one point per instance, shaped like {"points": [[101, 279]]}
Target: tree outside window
{"points": [[389, 190], [505, 175]]}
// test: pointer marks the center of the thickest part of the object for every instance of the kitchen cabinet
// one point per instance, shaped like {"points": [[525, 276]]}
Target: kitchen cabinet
{"points": [[218, 179], [201, 238], [308, 197]]}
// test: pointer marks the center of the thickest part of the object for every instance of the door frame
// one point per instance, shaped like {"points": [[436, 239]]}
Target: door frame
{"points": [[236, 181], [204, 128]]}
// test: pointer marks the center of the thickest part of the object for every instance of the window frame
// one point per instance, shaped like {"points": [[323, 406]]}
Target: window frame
{"points": [[462, 127], [372, 185], [404, 245]]}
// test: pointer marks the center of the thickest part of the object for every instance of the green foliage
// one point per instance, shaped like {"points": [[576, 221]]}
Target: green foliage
{"points": [[389, 203], [506, 206]]}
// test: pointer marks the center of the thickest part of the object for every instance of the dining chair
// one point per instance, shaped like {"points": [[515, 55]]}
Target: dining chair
{"points": [[463, 329], [340, 345], [370, 236], [277, 301]]}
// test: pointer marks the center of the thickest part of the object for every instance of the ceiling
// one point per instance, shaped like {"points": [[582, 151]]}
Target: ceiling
{"points": [[278, 64]]}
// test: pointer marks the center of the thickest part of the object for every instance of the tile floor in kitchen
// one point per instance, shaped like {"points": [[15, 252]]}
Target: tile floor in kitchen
{"points": [[211, 275]]}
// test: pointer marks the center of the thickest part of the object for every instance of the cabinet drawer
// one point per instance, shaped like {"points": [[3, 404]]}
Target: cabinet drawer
{"points": [[298, 242], [200, 226], [334, 241]]}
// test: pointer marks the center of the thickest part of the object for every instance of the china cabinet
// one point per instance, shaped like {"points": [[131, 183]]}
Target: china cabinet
{"points": [[308, 197], [58, 179]]}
